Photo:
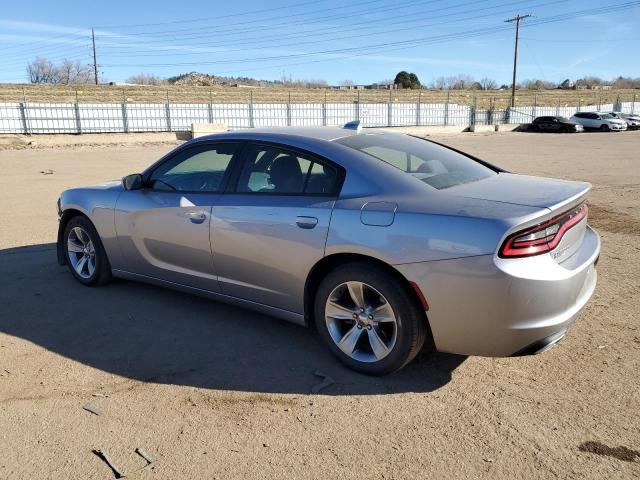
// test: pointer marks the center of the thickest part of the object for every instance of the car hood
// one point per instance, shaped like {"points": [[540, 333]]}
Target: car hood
{"points": [[110, 185], [523, 190]]}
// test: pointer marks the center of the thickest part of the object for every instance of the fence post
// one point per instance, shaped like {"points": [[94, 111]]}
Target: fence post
{"points": [[358, 105], [599, 102], [418, 106], [251, 125], [23, 113], [289, 110], [77, 110], [535, 106], [324, 111], [210, 109], [633, 105], [125, 119], [446, 109], [579, 104], [473, 112], [558, 108], [389, 111], [490, 112], [167, 111]]}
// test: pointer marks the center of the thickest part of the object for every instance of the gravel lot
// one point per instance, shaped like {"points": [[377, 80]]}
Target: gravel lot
{"points": [[213, 391]]}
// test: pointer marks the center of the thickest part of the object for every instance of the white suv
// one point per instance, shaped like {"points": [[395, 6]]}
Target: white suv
{"points": [[599, 121]]}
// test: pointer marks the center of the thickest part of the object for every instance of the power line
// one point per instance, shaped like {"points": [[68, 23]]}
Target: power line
{"points": [[415, 41], [178, 48], [200, 19], [285, 21], [340, 14]]}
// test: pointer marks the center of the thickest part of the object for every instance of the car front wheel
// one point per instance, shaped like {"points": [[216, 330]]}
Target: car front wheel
{"points": [[368, 319], [84, 252], [604, 127]]}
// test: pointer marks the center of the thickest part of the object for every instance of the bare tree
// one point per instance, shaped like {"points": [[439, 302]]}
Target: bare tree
{"points": [[536, 84], [73, 72], [589, 81], [42, 70], [440, 83], [146, 79], [488, 84], [346, 83]]}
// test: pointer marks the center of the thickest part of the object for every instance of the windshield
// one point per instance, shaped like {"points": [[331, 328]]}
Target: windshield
{"points": [[434, 164], [606, 115], [564, 120]]}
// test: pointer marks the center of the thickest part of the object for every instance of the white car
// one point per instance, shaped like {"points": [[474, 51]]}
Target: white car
{"points": [[599, 121], [633, 120]]}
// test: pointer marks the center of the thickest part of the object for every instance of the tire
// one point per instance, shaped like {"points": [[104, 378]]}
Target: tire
{"points": [[566, 130], [605, 128], [402, 338], [95, 269]]}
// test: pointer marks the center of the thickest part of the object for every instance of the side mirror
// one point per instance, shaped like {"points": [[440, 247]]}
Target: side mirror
{"points": [[132, 182]]}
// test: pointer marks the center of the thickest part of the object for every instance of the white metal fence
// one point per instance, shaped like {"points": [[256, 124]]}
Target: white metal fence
{"points": [[33, 118]]}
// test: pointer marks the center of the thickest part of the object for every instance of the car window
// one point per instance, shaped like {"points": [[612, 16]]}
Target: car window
{"points": [[434, 164], [197, 169], [273, 170], [606, 116]]}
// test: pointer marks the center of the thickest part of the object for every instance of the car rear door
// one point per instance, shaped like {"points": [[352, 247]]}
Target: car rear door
{"points": [[271, 228], [163, 229]]}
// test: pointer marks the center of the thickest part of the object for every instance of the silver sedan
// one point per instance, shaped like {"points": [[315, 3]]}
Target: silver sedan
{"points": [[382, 242]]}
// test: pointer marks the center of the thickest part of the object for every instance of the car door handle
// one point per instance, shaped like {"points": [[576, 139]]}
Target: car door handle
{"points": [[197, 217], [306, 222]]}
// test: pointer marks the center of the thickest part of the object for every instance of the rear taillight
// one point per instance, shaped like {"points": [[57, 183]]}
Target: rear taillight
{"points": [[541, 238]]}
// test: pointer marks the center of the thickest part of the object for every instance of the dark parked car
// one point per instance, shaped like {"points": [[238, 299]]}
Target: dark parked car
{"points": [[555, 124]]}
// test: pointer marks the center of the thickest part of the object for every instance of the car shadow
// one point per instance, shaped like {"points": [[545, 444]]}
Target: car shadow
{"points": [[152, 334]]}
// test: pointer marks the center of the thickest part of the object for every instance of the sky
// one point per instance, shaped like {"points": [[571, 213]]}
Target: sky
{"points": [[363, 41]]}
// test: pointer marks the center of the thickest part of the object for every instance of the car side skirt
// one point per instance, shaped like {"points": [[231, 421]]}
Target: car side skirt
{"points": [[258, 307]]}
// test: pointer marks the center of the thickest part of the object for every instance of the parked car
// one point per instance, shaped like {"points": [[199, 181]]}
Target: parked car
{"points": [[382, 241], [599, 121], [633, 121], [556, 124]]}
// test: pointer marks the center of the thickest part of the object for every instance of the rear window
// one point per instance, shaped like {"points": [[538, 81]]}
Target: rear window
{"points": [[434, 164]]}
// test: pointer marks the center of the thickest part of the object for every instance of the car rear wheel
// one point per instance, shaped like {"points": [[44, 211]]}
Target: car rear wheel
{"points": [[84, 252], [604, 127], [368, 319]]}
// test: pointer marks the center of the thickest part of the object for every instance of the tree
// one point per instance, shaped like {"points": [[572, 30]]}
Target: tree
{"points": [[73, 72], [566, 84], [42, 70], [146, 79], [589, 82], [407, 80], [488, 84]]}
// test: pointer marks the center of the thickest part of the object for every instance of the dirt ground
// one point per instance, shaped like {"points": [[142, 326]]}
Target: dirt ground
{"points": [[213, 391]]}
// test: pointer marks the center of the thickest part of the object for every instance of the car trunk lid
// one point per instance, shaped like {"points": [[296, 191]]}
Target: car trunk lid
{"points": [[557, 200], [525, 190]]}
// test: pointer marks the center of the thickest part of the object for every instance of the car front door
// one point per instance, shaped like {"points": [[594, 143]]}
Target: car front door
{"points": [[272, 228], [163, 229]]}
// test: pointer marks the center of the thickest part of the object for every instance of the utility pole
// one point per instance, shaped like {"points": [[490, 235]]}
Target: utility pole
{"points": [[516, 19], [95, 63]]}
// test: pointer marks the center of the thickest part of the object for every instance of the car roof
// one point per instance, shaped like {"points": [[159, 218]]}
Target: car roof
{"points": [[282, 133]]}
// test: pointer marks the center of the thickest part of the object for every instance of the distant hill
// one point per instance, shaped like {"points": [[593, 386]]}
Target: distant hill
{"points": [[206, 80]]}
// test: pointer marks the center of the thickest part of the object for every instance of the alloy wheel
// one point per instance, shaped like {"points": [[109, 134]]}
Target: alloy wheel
{"points": [[82, 253], [361, 321]]}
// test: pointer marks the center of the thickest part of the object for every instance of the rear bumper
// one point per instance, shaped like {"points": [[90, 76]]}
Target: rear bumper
{"points": [[496, 307]]}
